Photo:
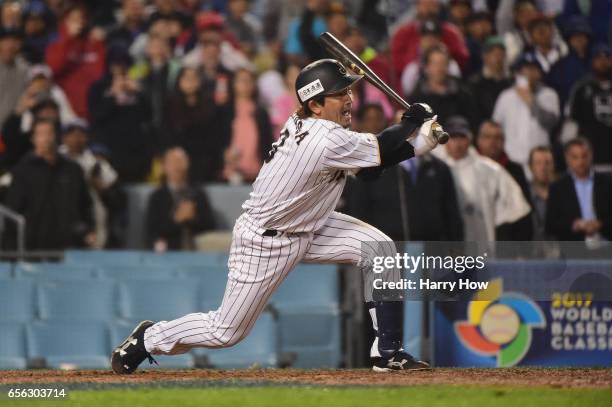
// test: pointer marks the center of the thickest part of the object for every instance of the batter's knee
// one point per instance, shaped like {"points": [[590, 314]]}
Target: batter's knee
{"points": [[230, 337]]}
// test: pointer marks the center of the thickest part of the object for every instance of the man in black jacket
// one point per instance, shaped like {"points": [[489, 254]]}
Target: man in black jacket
{"points": [[50, 191], [425, 186], [589, 104], [177, 210], [487, 84], [414, 201], [580, 203]]}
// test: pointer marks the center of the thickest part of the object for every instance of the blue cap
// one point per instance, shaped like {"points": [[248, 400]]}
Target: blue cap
{"points": [[527, 58], [602, 48], [458, 126], [577, 25]]}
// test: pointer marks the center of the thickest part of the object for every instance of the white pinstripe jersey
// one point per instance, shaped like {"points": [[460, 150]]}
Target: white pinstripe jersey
{"points": [[300, 184]]}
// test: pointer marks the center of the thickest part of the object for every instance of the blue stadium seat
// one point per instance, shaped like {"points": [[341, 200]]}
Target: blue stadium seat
{"points": [[16, 300], [63, 344], [313, 336], [12, 346], [103, 257], [226, 202], [309, 318], [121, 330], [78, 300], [6, 270], [259, 347], [55, 271], [308, 285], [191, 259], [137, 272], [157, 299], [212, 287]]}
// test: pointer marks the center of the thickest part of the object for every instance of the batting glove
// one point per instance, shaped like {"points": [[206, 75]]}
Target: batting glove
{"points": [[425, 140], [418, 113]]}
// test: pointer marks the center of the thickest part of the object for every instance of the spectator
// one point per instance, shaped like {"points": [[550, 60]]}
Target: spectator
{"points": [[517, 37], [598, 13], [527, 111], [542, 167], [41, 87], [250, 129], [479, 29], [208, 56], [177, 211], [245, 26], [405, 41], [193, 122], [446, 95], [357, 42], [287, 103], [430, 38], [37, 32], [165, 27], [131, 24], [490, 143], [15, 137], [488, 84], [120, 119], [169, 9], [51, 193], [569, 69], [300, 45], [590, 104], [545, 43], [364, 91], [420, 190], [101, 178], [10, 15], [76, 58], [157, 75], [488, 196], [580, 202], [13, 71], [459, 12], [337, 20]]}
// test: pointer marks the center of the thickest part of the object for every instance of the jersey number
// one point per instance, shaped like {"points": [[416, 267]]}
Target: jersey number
{"points": [[281, 142], [277, 145]]}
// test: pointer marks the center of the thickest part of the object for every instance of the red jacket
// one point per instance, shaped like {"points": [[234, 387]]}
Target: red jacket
{"points": [[76, 63], [405, 45]]}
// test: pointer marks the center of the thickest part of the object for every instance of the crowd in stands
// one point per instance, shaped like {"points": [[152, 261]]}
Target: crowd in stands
{"points": [[96, 95]]}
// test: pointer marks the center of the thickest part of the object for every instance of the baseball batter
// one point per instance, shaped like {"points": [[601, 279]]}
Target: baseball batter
{"points": [[290, 218]]}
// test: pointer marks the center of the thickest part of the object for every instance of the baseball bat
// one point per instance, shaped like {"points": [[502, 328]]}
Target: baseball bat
{"points": [[348, 58]]}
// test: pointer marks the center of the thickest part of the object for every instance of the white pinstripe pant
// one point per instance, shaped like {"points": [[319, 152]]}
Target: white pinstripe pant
{"points": [[257, 266]]}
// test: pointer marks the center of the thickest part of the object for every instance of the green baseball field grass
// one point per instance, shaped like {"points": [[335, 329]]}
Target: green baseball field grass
{"points": [[330, 396], [516, 387]]}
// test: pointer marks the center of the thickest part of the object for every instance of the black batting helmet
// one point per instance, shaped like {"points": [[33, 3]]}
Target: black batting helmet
{"points": [[323, 77]]}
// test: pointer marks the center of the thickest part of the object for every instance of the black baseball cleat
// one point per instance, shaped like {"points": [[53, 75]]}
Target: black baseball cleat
{"points": [[400, 361], [131, 353]]}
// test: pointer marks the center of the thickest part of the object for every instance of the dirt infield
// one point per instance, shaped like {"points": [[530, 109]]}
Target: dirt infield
{"points": [[558, 378]]}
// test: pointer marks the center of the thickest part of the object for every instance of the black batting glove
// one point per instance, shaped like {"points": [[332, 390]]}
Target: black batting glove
{"points": [[417, 114]]}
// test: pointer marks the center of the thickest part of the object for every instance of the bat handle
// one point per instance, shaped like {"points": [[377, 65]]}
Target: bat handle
{"points": [[439, 133]]}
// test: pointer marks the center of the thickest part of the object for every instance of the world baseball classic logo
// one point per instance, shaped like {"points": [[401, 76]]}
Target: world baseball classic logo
{"points": [[501, 325]]}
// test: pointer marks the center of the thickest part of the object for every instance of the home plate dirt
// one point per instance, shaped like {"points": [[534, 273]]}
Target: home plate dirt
{"points": [[520, 377]]}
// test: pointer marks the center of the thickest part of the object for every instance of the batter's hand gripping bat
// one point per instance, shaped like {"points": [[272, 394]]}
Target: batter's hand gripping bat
{"points": [[352, 61]]}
